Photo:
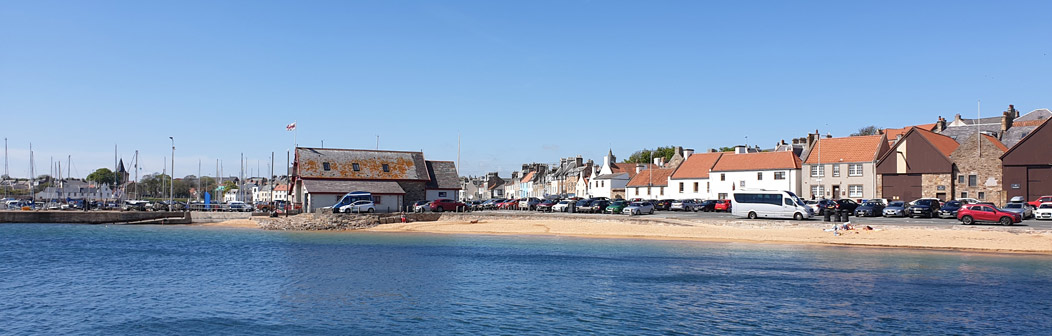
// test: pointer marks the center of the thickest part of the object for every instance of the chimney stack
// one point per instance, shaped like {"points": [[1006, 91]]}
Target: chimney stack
{"points": [[659, 161], [687, 153], [640, 167], [940, 125], [579, 161]]}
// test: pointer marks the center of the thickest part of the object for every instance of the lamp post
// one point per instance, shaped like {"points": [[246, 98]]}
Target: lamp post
{"points": [[171, 186]]}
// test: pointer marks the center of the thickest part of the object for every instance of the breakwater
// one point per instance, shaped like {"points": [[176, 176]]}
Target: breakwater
{"points": [[96, 217], [321, 221]]}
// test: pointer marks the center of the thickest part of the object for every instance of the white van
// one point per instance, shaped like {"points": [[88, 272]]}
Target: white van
{"points": [[769, 204]]}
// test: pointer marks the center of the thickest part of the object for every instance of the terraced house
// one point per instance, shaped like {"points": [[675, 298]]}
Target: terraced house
{"points": [[844, 167], [691, 180], [763, 170]]}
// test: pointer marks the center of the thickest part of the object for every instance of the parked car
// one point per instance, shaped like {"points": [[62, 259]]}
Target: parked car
{"points": [[509, 204], [965, 201], [562, 206], [813, 205], [664, 204], [844, 204], [706, 206], [722, 205], [236, 206], [895, 209], [529, 203], [598, 206], [974, 213], [358, 206], [1043, 211], [949, 210], [683, 205], [924, 207], [639, 208], [421, 206], [1040, 200], [584, 205], [616, 207], [445, 204], [1022, 209], [546, 205], [869, 209]]}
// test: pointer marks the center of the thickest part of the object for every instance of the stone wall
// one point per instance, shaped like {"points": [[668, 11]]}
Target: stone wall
{"points": [[95, 217], [414, 191], [880, 186], [930, 185], [321, 221], [986, 166]]}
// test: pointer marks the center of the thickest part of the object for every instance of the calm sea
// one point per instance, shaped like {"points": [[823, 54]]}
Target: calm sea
{"points": [[116, 280]]}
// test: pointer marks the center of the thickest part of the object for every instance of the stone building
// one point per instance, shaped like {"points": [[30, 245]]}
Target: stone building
{"points": [[977, 169], [918, 165], [321, 176]]}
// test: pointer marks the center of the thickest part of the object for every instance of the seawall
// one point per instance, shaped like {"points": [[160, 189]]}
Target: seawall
{"points": [[96, 217]]}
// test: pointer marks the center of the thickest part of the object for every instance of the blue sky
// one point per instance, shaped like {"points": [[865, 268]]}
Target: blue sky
{"points": [[520, 81]]}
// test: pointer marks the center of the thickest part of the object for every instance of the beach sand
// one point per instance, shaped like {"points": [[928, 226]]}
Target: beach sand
{"points": [[237, 223], [957, 238]]}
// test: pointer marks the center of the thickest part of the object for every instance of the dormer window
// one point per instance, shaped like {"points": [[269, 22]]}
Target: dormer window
{"points": [[356, 167], [387, 169], [325, 165]]}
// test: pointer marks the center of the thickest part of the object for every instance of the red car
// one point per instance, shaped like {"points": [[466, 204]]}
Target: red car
{"points": [[440, 205], [972, 213], [722, 205], [511, 204], [1038, 202]]}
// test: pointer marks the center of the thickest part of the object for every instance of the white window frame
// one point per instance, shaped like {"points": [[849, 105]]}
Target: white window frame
{"points": [[818, 190], [854, 169], [818, 171], [836, 170], [854, 190], [779, 175]]}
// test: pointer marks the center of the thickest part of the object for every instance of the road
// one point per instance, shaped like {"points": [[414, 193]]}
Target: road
{"points": [[875, 221]]}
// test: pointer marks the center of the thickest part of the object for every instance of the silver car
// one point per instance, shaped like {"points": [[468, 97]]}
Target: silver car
{"points": [[1022, 209], [684, 205], [639, 208]]}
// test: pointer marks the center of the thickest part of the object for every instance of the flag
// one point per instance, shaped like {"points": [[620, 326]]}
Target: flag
{"points": [[290, 127]]}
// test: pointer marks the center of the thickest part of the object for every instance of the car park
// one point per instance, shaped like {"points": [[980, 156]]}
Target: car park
{"points": [[975, 213], [1022, 209], [895, 209], [949, 210], [683, 205], [870, 209], [1043, 211], [924, 207], [639, 208]]}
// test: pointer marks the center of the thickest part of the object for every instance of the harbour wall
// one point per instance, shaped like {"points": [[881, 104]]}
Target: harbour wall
{"points": [[96, 217]]}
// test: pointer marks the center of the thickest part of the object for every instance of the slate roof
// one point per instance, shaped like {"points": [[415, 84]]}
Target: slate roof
{"points": [[961, 133], [697, 166], [1035, 115], [757, 161], [443, 175], [846, 149], [401, 165], [343, 187], [651, 177]]}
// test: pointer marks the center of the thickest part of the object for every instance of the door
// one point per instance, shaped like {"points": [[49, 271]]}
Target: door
{"points": [[1039, 182], [836, 192], [901, 187]]}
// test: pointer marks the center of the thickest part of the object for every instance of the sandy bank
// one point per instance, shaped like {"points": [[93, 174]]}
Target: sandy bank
{"points": [[237, 223], [960, 238]]}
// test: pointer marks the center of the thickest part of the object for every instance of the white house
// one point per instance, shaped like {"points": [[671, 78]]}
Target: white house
{"points": [[650, 183], [610, 180], [764, 170], [281, 192], [691, 180]]}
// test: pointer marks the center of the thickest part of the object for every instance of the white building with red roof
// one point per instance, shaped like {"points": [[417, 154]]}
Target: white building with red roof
{"points": [[764, 170], [843, 167]]}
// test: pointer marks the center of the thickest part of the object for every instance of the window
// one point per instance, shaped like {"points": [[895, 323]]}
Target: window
{"points": [[854, 169], [818, 191], [681, 187], [973, 180], [789, 202], [695, 186], [818, 171], [723, 177], [602, 183], [960, 179], [661, 190], [377, 199], [648, 190], [387, 169], [637, 191], [854, 190], [708, 187], [742, 184], [722, 196], [325, 166], [779, 175], [759, 176], [441, 194], [356, 167], [773, 199], [836, 170], [982, 195], [964, 194]]}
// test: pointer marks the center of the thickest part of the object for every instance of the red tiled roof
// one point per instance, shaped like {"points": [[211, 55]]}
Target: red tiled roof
{"points": [[651, 177], [527, 178], [697, 166], [894, 133], [757, 161], [996, 142], [282, 187], [944, 144], [847, 149]]}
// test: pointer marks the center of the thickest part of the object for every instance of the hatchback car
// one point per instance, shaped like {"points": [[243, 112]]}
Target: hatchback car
{"points": [[1043, 211], [359, 206], [420, 206], [706, 206], [722, 205], [639, 208], [562, 206], [683, 205], [1022, 209], [598, 206], [895, 209], [616, 207], [664, 204]]}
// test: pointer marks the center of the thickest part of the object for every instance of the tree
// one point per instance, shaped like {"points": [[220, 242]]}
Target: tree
{"points": [[868, 130], [102, 176], [647, 156], [726, 149]]}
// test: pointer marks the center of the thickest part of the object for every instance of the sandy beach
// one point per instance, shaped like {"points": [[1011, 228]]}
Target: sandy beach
{"points": [[965, 238]]}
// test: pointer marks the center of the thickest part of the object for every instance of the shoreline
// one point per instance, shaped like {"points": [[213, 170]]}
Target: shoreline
{"points": [[965, 239]]}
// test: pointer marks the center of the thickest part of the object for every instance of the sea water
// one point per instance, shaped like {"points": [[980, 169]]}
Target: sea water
{"points": [[117, 280]]}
